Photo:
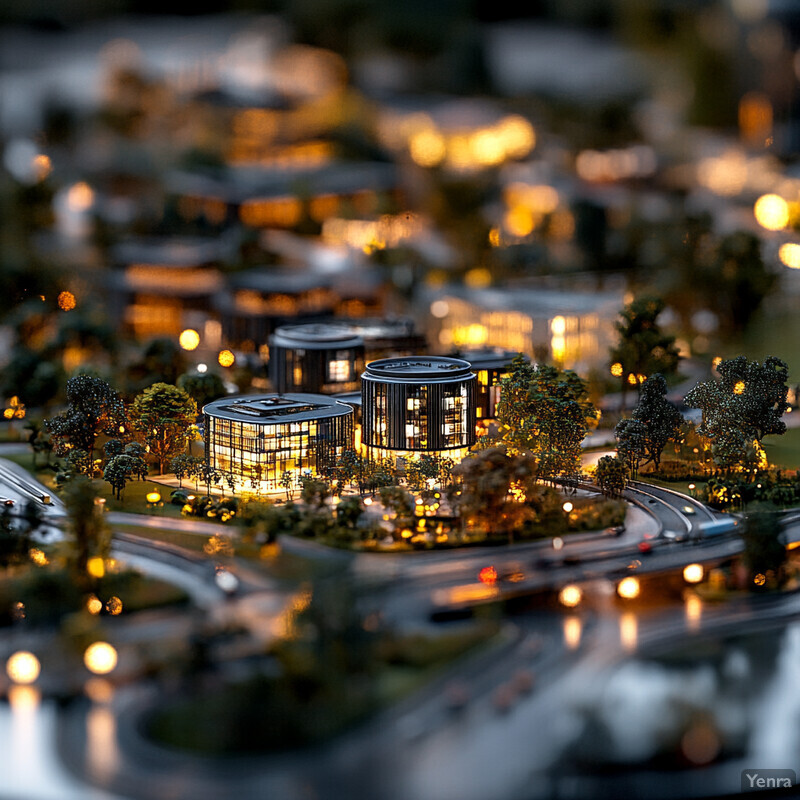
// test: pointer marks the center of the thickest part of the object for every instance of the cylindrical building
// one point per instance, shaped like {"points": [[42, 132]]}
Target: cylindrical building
{"points": [[423, 404], [258, 438], [324, 358]]}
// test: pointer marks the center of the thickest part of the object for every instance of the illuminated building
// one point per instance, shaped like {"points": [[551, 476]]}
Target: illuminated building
{"points": [[570, 329], [163, 286], [260, 300], [324, 358], [257, 438], [423, 404], [490, 365]]}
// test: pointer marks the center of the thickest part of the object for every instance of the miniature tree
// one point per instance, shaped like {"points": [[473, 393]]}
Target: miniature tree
{"points": [[486, 501], [286, 482], [202, 387], [643, 348], [610, 474], [661, 419], [93, 408], [182, 466], [119, 470], [314, 493], [742, 407], [349, 512], [631, 435], [547, 413], [162, 413]]}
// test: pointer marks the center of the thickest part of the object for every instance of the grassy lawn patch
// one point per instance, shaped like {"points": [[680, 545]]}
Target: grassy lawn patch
{"points": [[784, 451]]}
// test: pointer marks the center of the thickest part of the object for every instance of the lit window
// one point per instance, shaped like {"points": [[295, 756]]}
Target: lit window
{"points": [[339, 370]]}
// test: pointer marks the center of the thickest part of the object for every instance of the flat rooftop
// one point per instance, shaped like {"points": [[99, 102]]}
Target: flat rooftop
{"points": [[316, 335], [419, 369], [275, 409]]}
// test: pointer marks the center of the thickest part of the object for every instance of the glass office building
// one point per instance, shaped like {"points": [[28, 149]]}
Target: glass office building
{"points": [[258, 438]]}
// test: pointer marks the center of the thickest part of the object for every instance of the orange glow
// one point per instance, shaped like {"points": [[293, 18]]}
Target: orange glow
{"points": [[114, 606], [23, 667], [771, 212], [516, 135], [628, 588], [96, 567], [616, 370], [573, 629], [478, 278], [739, 387], [427, 148], [38, 557], [80, 197], [66, 301], [570, 596], [755, 118], [789, 255], [42, 166], [93, 605], [488, 575], [189, 339], [519, 221], [226, 358], [693, 573], [100, 658]]}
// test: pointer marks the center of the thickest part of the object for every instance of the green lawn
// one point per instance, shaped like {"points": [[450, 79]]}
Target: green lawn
{"points": [[770, 334], [784, 451]]}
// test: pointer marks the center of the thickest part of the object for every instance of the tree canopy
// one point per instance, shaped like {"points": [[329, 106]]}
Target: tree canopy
{"points": [[661, 419], [643, 348], [163, 414], [742, 407], [93, 408], [547, 413], [202, 387]]}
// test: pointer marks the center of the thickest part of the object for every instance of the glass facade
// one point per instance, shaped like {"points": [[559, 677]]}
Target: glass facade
{"points": [[300, 434]]}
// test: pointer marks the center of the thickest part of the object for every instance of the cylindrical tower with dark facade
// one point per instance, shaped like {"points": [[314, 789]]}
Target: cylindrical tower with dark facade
{"points": [[323, 358], [422, 404], [257, 439]]}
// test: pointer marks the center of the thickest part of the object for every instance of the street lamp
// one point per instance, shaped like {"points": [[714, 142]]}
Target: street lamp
{"points": [[628, 588]]}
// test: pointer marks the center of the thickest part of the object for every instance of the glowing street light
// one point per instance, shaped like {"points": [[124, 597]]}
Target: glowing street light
{"points": [[628, 588], [570, 596], [567, 507], [693, 573], [100, 658], [23, 667], [189, 339], [771, 212]]}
